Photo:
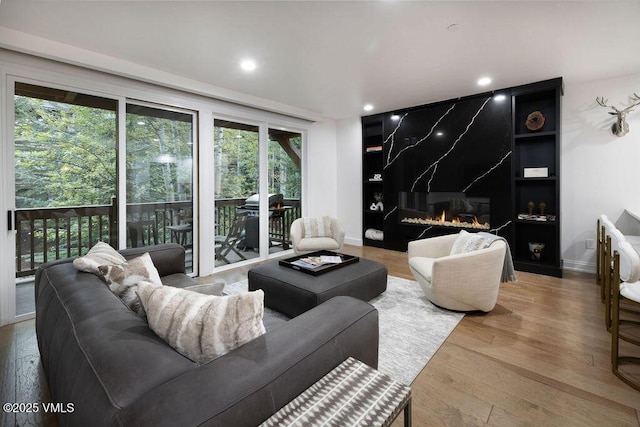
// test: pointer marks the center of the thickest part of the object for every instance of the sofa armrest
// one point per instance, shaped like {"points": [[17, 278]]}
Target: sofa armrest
{"points": [[167, 257], [248, 385], [296, 232], [338, 232]]}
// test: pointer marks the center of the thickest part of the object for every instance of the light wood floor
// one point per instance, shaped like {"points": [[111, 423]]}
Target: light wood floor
{"points": [[541, 357]]}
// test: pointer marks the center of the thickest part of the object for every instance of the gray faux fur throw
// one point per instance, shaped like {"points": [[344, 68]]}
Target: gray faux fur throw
{"points": [[508, 271]]}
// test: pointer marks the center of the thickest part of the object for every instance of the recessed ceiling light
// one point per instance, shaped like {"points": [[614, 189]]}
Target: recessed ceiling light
{"points": [[483, 81], [368, 107], [248, 65]]}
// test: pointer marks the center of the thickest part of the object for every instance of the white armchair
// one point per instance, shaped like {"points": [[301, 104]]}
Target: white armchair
{"points": [[332, 241], [465, 282]]}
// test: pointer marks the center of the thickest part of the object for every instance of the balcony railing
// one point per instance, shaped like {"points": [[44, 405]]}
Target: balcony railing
{"points": [[48, 234]]}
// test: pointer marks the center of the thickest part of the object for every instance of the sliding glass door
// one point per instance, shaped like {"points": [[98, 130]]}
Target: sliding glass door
{"points": [[84, 167], [67, 193], [236, 192], [244, 222], [285, 181], [65, 147]]}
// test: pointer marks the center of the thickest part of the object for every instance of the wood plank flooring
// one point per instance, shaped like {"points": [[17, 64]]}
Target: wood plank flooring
{"points": [[541, 357]]}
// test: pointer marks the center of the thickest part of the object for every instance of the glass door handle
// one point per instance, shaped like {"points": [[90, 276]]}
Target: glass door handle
{"points": [[11, 220]]}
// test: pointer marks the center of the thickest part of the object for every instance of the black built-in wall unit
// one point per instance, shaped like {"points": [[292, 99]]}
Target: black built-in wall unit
{"points": [[536, 177], [459, 164]]}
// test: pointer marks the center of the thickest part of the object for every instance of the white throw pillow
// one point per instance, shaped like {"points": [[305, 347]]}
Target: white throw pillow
{"points": [[466, 242], [317, 227], [202, 327], [124, 278], [100, 254]]}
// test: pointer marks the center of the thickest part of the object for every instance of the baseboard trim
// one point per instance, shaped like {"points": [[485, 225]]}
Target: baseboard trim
{"points": [[574, 265], [353, 241]]}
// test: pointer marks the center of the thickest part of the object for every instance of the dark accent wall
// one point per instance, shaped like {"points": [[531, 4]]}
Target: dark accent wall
{"points": [[461, 146]]}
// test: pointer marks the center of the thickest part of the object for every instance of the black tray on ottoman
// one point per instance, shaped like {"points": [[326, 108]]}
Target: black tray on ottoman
{"points": [[295, 264], [292, 292]]}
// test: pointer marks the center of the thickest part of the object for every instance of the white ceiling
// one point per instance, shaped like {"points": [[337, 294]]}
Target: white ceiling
{"points": [[332, 57]]}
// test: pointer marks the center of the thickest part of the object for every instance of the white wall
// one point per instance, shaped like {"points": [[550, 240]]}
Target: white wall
{"points": [[321, 182], [349, 163], [600, 173]]}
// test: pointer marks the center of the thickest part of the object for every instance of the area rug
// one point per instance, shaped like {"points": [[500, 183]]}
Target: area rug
{"points": [[411, 328]]}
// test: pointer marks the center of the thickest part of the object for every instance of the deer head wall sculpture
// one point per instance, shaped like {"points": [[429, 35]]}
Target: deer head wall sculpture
{"points": [[620, 127]]}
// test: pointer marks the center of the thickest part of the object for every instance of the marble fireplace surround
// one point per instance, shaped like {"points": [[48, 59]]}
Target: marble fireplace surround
{"points": [[460, 146]]}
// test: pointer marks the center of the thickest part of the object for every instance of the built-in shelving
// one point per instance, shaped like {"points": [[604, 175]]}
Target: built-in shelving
{"points": [[373, 181], [539, 150]]}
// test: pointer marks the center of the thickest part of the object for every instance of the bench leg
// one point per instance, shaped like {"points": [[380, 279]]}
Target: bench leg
{"points": [[407, 414]]}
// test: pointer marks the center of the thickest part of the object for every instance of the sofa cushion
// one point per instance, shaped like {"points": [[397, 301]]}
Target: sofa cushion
{"points": [[317, 227], [100, 254], [466, 242], [202, 327], [123, 279]]}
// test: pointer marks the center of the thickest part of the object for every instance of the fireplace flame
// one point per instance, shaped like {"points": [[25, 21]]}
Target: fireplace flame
{"points": [[442, 221]]}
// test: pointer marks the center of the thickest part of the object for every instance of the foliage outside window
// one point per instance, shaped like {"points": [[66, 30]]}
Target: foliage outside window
{"points": [[237, 162], [284, 174], [236, 153], [159, 155], [64, 153]]}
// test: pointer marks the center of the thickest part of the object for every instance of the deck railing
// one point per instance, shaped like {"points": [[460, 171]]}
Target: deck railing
{"points": [[48, 234]]}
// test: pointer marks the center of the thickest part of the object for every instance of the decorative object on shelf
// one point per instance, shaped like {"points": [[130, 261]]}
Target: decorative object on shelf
{"points": [[530, 206], [377, 205], [535, 250], [541, 218], [536, 172], [535, 121], [373, 234], [377, 177], [542, 206], [620, 127], [374, 149]]}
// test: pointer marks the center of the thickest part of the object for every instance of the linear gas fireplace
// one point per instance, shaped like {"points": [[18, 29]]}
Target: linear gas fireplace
{"points": [[444, 209]]}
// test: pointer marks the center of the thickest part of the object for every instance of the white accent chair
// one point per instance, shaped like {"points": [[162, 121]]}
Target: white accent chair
{"points": [[302, 244], [463, 282]]}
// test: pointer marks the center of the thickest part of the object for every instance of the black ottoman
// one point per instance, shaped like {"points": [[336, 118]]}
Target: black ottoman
{"points": [[293, 292]]}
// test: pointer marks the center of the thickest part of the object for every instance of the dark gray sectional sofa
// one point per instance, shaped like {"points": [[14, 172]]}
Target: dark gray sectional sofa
{"points": [[100, 356]]}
